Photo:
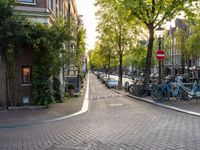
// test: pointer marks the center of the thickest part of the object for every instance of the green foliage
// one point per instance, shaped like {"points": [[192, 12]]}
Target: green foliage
{"points": [[43, 92], [10, 54], [136, 57], [167, 46], [116, 30], [49, 62], [10, 74], [11, 31], [56, 88], [157, 12], [6, 9], [96, 59], [17, 33], [12, 28], [153, 13], [181, 38], [80, 47], [192, 43]]}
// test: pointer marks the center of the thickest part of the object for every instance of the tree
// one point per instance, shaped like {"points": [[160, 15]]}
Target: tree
{"points": [[153, 13], [192, 42], [96, 60], [80, 47], [181, 38], [139, 56], [114, 27]]}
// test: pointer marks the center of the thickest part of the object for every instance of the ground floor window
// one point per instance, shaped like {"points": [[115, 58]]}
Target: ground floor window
{"points": [[26, 74], [26, 1]]}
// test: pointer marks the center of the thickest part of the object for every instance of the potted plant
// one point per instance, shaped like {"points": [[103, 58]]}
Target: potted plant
{"points": [[71, 89]]}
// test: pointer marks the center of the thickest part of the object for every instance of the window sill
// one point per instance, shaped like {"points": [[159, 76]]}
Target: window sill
{"points": [[26, 85]]}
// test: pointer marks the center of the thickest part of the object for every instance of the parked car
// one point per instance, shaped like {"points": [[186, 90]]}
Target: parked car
{"points": [[104, 79], [128, 84], [135, 80], [112, 83]]}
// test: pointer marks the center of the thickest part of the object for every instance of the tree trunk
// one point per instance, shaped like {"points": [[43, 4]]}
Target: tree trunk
{"points": [[182, 65], [109, 71], [120, 70], [120, 57], [149, 54]]}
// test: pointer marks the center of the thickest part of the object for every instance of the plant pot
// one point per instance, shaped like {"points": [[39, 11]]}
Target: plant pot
{"points": [[71, 92]]}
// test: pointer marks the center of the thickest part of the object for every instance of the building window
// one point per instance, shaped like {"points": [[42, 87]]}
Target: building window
{"points": [[26, 1], [26, 75]]}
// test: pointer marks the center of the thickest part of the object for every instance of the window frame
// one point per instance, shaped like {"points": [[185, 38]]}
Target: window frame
{"points": [[30, 76], [25, 2]]}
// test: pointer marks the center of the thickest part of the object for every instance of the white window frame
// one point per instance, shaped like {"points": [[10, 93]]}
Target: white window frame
{"points": [[24, 2]]}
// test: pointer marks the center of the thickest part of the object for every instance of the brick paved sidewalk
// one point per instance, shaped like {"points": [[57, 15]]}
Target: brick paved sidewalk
{"points": [[191, 107], [35, 116]]}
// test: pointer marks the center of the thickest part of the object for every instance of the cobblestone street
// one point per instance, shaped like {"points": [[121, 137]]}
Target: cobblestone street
{"points": [[113, 122]]}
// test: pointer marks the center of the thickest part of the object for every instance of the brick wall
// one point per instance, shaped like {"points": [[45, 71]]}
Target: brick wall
{"points": [[23, 58], [41, 3]]}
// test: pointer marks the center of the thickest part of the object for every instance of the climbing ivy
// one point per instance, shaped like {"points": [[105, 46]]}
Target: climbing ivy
{"points": [[17, 34], [49, 62]]}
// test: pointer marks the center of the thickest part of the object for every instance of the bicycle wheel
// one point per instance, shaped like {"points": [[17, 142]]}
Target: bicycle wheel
{"points": [[175, 93], [142, 90], [126, 86], [131, 89], [184, 96], [134, 90], [137, 90], [152, 94], [159, 94]]}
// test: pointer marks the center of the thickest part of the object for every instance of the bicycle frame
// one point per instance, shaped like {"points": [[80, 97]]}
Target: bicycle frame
{"points": [[194, 93]]}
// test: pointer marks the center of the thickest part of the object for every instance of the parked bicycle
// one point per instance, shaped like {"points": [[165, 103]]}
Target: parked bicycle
{"points": [[190, 93], [168, 91]]}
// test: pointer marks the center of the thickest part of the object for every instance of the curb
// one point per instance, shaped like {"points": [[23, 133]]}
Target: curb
{"points": [[84, 108], [159, 104], [26, 108]]}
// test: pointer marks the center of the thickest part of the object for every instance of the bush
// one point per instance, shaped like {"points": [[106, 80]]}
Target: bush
{"points": [[43, 93], [56, 88]]}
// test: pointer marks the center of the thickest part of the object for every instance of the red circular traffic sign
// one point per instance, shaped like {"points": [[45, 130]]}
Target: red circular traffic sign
{"points": [[160, 54]]}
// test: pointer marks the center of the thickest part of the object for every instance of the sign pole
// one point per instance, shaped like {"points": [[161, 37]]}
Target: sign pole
{"points": [[159, 78], [160, 55]]}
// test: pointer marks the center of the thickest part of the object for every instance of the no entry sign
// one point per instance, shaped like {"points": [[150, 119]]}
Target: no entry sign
{"points": [[160, 54]]}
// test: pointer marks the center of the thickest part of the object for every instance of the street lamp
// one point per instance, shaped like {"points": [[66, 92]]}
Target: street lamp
{"points": [[159, 34]]}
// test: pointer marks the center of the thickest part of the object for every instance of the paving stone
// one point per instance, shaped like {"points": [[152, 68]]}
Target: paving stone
{"points": [[135, 125]]}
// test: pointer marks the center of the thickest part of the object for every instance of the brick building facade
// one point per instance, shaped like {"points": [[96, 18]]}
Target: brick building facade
{"points": [[43, 11], [176, 62]]}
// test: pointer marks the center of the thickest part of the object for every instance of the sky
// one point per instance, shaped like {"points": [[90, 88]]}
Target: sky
{"points": [[87, 9]]}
